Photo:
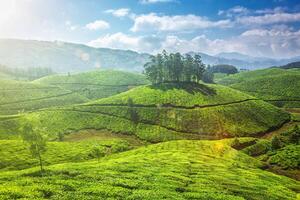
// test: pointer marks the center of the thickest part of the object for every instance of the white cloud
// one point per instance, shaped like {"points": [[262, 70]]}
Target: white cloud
{"points": [[123, 41], [122, 12], [153, 22], [271, 10], [276, 42], [156, 1], [70, 26], [237, 10], [98, 25], [269, 19]]}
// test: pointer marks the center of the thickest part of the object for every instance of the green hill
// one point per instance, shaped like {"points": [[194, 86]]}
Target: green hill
{"points": [[164, 112], [172, 170], [278, 86], [17, 96], [96, 84], [4, 76]]}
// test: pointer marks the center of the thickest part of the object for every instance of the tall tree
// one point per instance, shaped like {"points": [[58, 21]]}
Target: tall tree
{"points": [[199, 67], [36, 139]]}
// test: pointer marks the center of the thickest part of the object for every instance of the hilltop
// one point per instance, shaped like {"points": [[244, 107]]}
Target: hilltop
{"points": [[278, 86], [178, 170], [166, 112], [96, 84]]}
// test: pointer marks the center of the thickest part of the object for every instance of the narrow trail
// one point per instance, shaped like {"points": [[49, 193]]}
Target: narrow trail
{"points": [[171, 105], [297, 98], [94, 84], [141, 121], [18, 89]]}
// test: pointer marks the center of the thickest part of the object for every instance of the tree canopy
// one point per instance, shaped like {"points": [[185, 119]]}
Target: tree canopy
{"points": [[226, 69], [174, 67]]}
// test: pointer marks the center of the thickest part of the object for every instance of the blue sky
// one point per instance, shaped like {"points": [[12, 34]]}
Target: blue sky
{"points": [[266, 28]]}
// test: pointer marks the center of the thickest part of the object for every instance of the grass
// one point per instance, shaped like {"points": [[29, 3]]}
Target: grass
{"points": [[18, 96], [96, 84], [171, 170], [278, 86], [75, 147]]}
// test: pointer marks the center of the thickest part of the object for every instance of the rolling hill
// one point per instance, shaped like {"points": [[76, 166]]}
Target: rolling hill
{"points": [[18, 96], [164, 112], [278, 86], [96, 84], [171, 170]]}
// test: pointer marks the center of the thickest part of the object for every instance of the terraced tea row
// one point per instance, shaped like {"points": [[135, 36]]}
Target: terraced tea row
{"points": [[278, 86], [165, 113], [17, 96], [97, 84], [178, 170]]}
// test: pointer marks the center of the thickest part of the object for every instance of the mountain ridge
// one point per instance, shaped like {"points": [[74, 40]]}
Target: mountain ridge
{"points": [[64, 57]]}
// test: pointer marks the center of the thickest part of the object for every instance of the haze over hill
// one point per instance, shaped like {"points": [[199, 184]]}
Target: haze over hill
{"points": [[68, 57]]}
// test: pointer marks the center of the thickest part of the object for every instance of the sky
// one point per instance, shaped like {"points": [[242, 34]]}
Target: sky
{"points": [[262, 28]]}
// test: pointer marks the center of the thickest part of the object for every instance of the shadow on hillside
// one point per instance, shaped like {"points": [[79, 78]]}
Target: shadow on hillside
{"points": [[189, 87]]}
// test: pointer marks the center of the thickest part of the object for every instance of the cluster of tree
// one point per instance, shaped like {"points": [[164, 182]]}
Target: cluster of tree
{"points": [[30, 73], [226, 69], [175, 67]]}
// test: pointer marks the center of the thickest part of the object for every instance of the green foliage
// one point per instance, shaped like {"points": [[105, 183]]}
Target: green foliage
{"points": [[30, 73], [35, 138], [226, 69], [294, 136], [172, 170], [287, 157], [208, 76], [174, 68], [259, 148], [276, 142]]}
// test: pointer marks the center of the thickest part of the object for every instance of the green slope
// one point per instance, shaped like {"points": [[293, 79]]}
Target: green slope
{"points": [[17, 96], [278, 86], [171, 170], [5, 76], [96, 84], [75, 147], [164, 112]]}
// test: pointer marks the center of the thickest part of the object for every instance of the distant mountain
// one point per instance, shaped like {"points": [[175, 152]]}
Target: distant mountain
{"points": [[243, 61], [291, 65], [240, 56], [65, 57]]}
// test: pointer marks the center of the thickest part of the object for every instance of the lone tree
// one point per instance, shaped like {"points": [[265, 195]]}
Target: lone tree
{"points": [[133, 114], [36, 140], [172, 67], [276, 142]]}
